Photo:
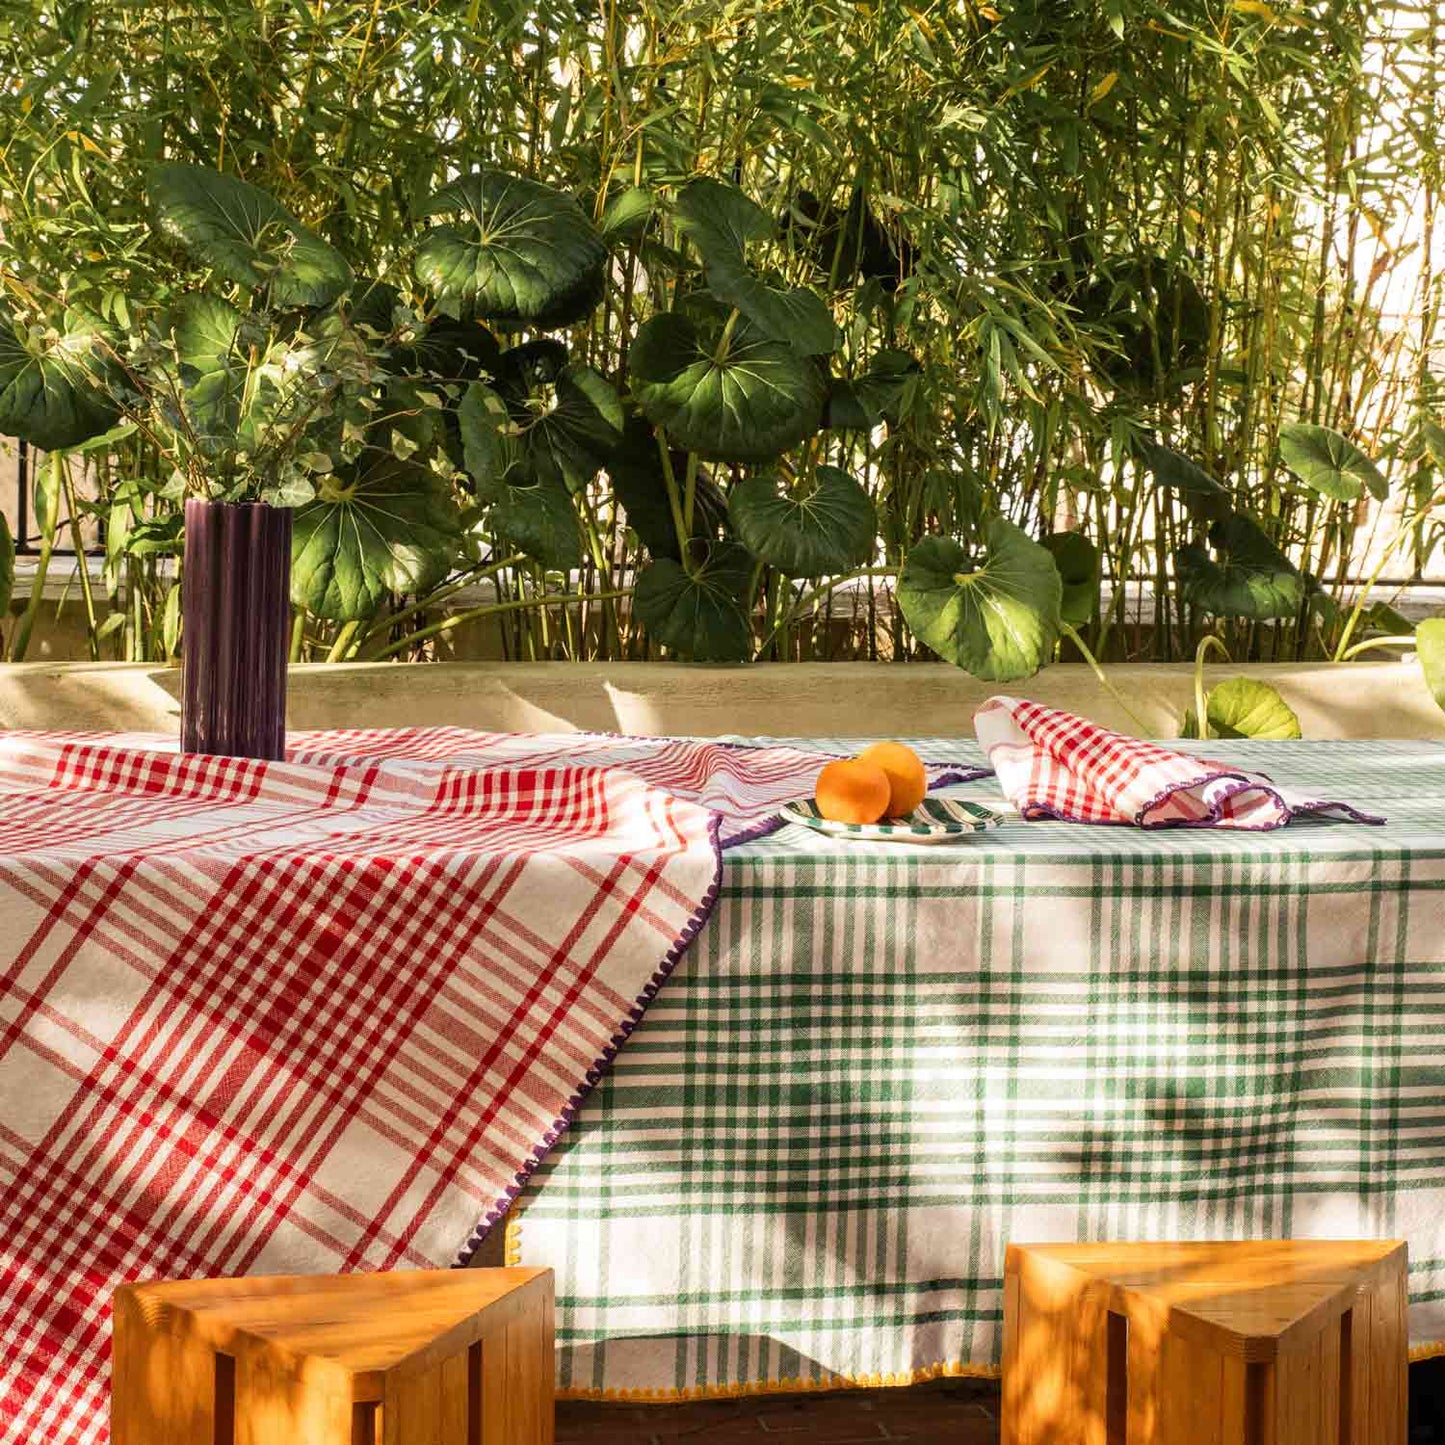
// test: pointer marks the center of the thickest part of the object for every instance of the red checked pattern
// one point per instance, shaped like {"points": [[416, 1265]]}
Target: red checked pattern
{"points": [[1053, 764], [314, 1016]]}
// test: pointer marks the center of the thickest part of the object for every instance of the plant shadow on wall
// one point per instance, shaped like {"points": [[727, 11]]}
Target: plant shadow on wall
{"points": [[808, 332]]}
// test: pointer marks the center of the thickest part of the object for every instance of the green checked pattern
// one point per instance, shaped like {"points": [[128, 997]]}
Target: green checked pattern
{"points": [[879, 1063]]}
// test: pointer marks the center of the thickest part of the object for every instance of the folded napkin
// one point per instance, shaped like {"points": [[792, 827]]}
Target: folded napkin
{"points": [[1055, 765]]}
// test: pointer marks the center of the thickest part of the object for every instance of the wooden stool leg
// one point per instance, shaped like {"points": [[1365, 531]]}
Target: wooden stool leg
{"points": [[282, 1400], [1062, 1364], [165, 1390], [500, 1391], [1379, 1364], [518, 1380], [1197, 1396]]}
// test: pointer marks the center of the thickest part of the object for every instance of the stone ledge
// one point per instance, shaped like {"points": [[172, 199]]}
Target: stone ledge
{"points": [[1355, 700]]}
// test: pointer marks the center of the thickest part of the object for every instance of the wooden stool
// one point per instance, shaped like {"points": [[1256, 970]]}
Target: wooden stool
{"points": [[431, 1357], [1291, 1343]]}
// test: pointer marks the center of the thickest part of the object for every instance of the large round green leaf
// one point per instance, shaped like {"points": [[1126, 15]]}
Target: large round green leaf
{"points": [[53, 390], [518, 251], [746, 399], [1243, 707], [371, 304], [625, 217], [563, 429], [1248, 576], [527, 504], [635, 470], [7, 567], [700, 615], [538, 516], [995, 615], [449, 350], [721, 222], [570, 428], [1430, 647], [827, 525], [1203, 495], [1328, 462], [384, 528], [1148, 314], [245, 234], [1077, 559], [797, 317], [859, 403]]}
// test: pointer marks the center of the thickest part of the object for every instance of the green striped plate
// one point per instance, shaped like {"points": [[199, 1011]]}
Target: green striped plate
{"points": [[934, 820]]}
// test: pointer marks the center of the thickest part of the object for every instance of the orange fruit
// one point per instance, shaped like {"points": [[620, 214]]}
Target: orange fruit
{"points": [[850, 791], [907, 781]]}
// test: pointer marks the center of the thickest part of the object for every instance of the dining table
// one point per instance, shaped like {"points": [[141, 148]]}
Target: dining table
{"points": [[771, 1103], [879, 1063]]}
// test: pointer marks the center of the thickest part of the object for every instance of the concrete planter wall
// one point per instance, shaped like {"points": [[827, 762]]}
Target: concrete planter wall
{"points": [[1356, 700]]}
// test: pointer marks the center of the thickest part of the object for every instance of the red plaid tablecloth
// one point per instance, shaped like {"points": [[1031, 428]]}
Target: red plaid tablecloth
{"points": [[321, 1015], [1053, 764]]}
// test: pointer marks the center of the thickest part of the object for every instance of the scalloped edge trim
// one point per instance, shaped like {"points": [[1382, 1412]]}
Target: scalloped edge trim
{"points": [[1242, 782], [794, 1385], [691, 929], [945, 1370]]}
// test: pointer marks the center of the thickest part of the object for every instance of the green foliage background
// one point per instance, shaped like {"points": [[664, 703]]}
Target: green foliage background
{"points": [[1114, 226]]}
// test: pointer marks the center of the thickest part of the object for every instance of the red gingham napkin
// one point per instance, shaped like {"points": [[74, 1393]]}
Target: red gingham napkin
{"points": [[315, 1016], [1053, 764]]}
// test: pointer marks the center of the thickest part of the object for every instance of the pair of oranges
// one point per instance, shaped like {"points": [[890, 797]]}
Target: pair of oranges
{"points": [[886, 780]]}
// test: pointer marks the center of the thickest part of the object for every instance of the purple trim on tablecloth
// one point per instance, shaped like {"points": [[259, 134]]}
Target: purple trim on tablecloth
{"points": [[1244, 783], [499, 1208], [700, 916]]}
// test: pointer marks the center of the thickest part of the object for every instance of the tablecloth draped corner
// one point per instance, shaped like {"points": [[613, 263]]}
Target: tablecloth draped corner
{"points": [[317, 1015], [594, 1074]]}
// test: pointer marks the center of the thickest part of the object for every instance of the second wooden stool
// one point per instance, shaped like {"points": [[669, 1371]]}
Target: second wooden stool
{"points": [[426, 1357], [1292, 1343]]}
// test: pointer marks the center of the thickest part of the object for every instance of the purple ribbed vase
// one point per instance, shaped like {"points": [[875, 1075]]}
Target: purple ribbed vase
{"points": [[235, 601]]}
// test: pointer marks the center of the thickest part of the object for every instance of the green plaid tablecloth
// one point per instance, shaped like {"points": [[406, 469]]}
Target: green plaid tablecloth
{"points": [[879, 1063]]}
